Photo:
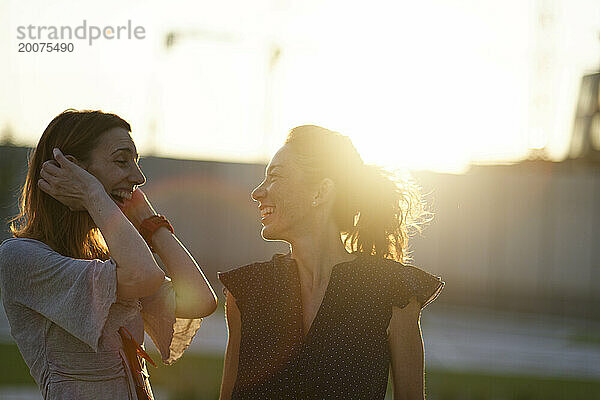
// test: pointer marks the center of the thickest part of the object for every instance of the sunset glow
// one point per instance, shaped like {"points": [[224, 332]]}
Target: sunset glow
{"points": [[430, 85]]}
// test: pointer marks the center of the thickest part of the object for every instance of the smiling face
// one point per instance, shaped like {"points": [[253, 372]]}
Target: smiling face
{"points": [[284, 199], [114, 161]]}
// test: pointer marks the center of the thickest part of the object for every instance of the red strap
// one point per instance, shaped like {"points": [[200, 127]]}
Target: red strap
{"points": [[139, 350], [151, 224]]}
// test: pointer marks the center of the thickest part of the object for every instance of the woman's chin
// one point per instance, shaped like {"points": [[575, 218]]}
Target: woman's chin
{"points": [[268, 233]]}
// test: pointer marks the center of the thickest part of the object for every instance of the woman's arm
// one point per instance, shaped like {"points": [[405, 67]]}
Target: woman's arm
{"points": [[406, 346], [194, 296], [138, 275], [230, 367]]}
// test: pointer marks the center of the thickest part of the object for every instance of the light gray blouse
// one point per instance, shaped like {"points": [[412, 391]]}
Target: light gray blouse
{"points": [[64, 316]]}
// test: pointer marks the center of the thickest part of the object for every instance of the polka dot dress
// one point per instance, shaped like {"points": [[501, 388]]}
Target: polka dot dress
{"points": [[345, 354]]}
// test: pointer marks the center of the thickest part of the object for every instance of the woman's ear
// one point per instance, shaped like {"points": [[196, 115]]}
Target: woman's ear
{"points": [[326, 191]]}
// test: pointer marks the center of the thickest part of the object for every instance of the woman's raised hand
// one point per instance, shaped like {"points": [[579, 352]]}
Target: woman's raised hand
{"points": [[67, 182], [138, 208]]}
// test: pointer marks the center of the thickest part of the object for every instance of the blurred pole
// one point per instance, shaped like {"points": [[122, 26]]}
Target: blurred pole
{"points": [[542, 80], [585, 141]]}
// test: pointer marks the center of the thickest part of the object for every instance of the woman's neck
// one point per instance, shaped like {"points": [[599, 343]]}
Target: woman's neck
{"points": [[316, 254]]}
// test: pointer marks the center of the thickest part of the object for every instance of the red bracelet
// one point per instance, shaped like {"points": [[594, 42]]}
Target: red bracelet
{"points": [[151, 224]]}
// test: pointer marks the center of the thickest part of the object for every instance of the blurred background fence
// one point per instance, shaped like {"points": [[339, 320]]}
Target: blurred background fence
{"points": [[516, 244]]}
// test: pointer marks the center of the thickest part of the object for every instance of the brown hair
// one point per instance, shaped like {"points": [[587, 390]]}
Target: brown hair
{"points": [[375, 211], [41, 217]]}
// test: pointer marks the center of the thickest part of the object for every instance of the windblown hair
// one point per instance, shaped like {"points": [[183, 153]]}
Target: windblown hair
{"points": [[41, 217], [375, 211]]}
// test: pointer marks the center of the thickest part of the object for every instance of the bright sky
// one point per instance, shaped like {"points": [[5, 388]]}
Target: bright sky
{"points": [[434, 84]]}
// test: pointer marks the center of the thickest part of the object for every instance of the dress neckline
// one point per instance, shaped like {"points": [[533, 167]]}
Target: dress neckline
{"points": [[292, 266]]}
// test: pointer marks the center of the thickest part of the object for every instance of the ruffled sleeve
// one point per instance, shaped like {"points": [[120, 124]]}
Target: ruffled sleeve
{"points": [[239, 281], [74, 294], [171, 335], [409, 281]]}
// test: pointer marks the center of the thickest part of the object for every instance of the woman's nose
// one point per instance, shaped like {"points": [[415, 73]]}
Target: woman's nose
{"points": [[137, 176], [258, 192]]}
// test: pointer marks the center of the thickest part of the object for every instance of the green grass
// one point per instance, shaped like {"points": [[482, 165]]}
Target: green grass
{"points": [[14, 370], [199, 377], [589, 338], [449, 385], [192, 377]]}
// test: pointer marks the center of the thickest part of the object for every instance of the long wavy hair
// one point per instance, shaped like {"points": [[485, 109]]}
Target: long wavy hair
{"points": [[41, 217], [375, 210]]}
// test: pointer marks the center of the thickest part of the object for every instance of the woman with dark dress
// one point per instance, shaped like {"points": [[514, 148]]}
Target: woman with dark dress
{"points": [[329, 319]]}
